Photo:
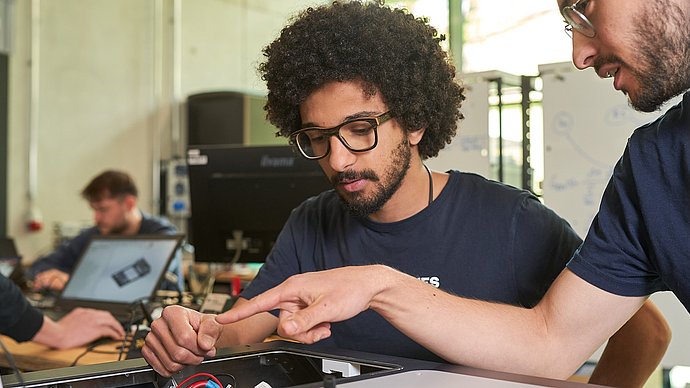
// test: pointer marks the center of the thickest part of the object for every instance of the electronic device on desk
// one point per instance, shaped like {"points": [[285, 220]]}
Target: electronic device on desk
{"points": [[115, 273], [215, 303], [241, 197], [283, 364]]}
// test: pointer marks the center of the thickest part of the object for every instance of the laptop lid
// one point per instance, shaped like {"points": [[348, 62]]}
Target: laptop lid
{"points": [[115, 272], [9, 258]]}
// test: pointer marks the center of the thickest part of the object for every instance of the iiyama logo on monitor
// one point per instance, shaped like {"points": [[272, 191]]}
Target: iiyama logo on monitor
{"points": [[272, 162]]}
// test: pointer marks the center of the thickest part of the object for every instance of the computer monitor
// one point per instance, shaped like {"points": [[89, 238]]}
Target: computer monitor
{"points": [[241, 197]]}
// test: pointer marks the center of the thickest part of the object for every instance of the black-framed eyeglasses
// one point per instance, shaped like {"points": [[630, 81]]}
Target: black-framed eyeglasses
{"points": [[357, 135], [576, 20]]}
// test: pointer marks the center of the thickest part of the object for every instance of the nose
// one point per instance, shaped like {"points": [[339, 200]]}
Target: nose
{"points": [[339, 157], [584, 51]]}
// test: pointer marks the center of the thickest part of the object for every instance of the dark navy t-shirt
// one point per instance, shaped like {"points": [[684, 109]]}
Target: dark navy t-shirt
{"points": [[18, 319], [478, 239], [639, 242]]}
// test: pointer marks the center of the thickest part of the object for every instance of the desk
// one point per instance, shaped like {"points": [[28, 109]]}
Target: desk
{"points": [[31, 356]]}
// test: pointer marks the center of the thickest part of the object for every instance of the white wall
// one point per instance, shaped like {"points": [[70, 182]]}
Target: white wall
{"points": [[111, 77], [225, 39], [469, 150], [94, 104]]}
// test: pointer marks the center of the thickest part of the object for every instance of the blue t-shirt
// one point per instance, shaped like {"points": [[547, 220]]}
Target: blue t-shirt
{"points": [[479, 239], [639, 242]]}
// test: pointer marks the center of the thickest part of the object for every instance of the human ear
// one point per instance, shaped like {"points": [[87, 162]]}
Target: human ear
{"points": [[414, 137]]}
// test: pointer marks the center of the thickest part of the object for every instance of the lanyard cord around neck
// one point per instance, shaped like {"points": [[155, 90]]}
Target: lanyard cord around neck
{"points": [[431, 185]]}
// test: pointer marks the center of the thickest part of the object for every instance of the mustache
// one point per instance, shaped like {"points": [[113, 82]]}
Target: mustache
{"points": [[347, 176], [605, 59]]}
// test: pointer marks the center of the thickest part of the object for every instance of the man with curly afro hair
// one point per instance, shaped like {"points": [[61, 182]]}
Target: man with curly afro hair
{"points": [[413, 77], [367, 92]]}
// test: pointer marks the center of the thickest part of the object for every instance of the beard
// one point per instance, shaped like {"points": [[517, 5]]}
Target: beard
{"points": [[664, 55], [358, 204]]}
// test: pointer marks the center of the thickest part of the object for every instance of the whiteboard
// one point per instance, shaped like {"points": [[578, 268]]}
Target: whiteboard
{"points": [[469, 150], [586, 127]]}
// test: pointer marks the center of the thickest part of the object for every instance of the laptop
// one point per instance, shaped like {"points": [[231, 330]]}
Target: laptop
{"points": [[116, 273]]}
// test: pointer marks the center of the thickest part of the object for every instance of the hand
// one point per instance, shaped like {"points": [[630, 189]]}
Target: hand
{"points": [[80, 327], [310, 301], [52, 279], [180, 337]]}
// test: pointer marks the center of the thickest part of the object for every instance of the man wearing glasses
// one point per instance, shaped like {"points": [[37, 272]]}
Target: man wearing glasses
{"points": [[638, 244], [368, 93]]}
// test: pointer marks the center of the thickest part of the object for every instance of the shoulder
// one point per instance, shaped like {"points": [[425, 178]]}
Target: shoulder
{"points": [[88, 232], [475, 189], [667, 132], [84, 236], [472, 197], [153, 224], [498, 199], [657, 155]]}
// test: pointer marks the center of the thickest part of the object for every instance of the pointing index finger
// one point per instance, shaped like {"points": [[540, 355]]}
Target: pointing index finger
{"points": [[267, 301]]}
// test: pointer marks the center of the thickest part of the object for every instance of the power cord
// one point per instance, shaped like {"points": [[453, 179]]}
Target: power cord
{"points": [[133, 307], [13, 365], [84, 353], [208, 380], [234, 380]]}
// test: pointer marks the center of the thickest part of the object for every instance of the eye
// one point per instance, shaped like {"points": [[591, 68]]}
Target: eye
{"points": [[317, 136], [358, 128]]}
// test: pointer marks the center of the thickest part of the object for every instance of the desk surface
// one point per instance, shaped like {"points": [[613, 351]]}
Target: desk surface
{"points": [[30, 356]]}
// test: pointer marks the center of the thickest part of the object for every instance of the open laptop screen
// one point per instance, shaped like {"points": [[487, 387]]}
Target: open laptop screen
{"points": [[120, 269]]}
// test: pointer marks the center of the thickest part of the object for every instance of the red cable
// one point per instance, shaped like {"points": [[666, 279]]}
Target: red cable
{"points": [[196, 375]]}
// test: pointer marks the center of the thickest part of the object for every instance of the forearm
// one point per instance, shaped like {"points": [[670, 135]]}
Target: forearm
{"points": [[60, 260], [634, 351], [494, 336], [41, 265], [64, 256], [441, 323]]}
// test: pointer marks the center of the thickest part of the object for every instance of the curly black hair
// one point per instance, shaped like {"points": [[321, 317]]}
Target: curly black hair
{"points": [[390, 50]]}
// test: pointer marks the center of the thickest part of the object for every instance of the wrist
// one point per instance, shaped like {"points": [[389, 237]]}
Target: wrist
{"points": [[385, 281], [50, 334]]}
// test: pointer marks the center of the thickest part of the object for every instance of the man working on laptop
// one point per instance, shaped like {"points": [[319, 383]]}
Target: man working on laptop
{"points": [[368, 93], [22, 322], [112, 195]]}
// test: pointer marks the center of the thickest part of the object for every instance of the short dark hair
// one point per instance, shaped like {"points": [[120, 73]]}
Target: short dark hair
{"points": [[389, 50], [109, 184]]}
